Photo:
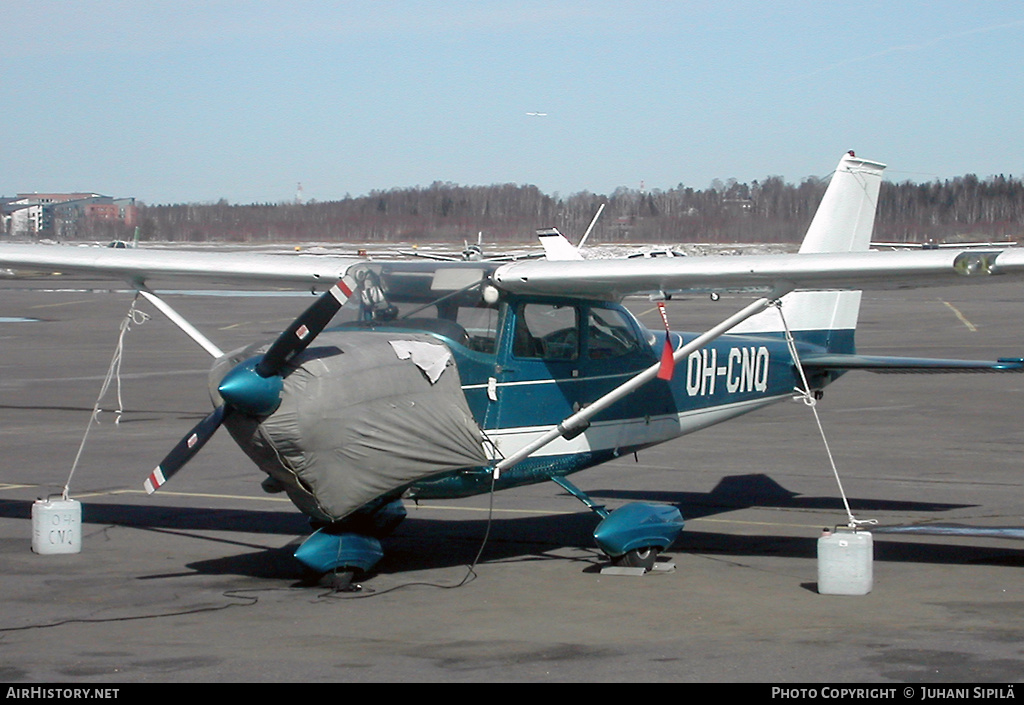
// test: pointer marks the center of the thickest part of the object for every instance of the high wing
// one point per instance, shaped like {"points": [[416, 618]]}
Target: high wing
{"points": [[614, 279], [599, 279], [144, 266]]}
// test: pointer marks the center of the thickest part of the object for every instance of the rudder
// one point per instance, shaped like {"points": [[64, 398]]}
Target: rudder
{"points": [[844, 222]]}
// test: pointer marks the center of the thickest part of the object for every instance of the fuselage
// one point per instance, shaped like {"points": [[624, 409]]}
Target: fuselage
{"points": [[543, 359]]}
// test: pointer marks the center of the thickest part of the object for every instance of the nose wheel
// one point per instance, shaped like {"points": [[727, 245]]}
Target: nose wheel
{"points": [[341, 580]]}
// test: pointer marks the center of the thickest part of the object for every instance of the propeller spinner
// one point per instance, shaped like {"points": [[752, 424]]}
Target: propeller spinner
{"points": [[253, 387]]}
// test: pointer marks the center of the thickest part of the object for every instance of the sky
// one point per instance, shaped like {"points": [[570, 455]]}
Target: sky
{"points": [[180, 101]]}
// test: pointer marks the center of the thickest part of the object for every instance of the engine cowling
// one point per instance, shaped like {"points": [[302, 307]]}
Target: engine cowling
{"points": [[362, 415]]}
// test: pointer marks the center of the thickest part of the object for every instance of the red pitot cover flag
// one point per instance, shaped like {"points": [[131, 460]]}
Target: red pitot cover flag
{"points": [[668, 363]]}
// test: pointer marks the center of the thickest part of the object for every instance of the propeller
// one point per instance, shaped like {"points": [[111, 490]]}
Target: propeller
{"points": [[253, 387]]}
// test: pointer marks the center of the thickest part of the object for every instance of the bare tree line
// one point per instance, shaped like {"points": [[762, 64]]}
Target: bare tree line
{"points": [[769, 210]]}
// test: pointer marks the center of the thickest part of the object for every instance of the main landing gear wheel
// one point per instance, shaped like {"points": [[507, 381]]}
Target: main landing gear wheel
{"points": [[638, 558]]}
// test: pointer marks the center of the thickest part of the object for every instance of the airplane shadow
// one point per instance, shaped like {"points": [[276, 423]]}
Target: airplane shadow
{"points": [[420, 544], [426, 544], [759, 490]]}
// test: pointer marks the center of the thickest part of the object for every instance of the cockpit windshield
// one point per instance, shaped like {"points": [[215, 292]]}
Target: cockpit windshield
{"points": [[448, 299]]}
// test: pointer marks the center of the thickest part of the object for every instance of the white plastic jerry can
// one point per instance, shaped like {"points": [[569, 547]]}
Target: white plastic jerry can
{"points": [[56, 526], [845, 559]]}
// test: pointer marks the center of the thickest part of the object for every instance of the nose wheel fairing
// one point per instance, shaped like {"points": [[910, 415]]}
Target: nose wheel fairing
{"points": [[638, 527], [353, 544], [633, 534], [326, 552]]}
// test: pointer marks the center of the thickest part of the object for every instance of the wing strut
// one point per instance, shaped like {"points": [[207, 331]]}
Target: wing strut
{"points": [[576, 424], [180, 321], [591, 227]]}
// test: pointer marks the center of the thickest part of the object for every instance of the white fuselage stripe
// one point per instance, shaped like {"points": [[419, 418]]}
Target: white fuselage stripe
{"points": [[625, 433], [560, 380]]}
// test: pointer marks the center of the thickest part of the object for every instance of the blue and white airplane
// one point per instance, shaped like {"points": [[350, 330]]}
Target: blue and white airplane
{"points": [[450, 379]]}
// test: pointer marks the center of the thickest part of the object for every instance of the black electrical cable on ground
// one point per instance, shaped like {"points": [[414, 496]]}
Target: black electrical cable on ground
{"points": [[470, 576]]}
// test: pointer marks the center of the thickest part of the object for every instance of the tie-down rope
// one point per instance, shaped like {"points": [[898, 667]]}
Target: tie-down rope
{"points": [[807, 396], [133, 316]]}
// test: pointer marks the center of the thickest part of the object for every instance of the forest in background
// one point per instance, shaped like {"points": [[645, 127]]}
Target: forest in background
{"points": [[769, 211]]}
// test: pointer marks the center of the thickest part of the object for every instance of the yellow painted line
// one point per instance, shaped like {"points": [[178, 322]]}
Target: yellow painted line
{"points": [[269, 498], [106, 493], [203, 495], [754, 523], [486, 509], [963, 319]]}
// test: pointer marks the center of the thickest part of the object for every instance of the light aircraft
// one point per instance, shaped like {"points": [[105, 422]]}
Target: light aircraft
{"points": [[471, 252], [450, 379], [121, 244], [933, 245], [557, 246]]}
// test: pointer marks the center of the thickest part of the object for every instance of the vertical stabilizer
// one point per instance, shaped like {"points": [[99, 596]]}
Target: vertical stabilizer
{"points": [[846, 215], [843, 222], [556, 246]]}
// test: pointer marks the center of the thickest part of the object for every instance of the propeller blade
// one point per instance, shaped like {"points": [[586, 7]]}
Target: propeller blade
{"points": [[255, 394], [186, 448], [305, 328]]}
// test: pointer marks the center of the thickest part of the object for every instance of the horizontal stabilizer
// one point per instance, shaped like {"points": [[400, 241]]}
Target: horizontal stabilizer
{"points": [[909, 365]]}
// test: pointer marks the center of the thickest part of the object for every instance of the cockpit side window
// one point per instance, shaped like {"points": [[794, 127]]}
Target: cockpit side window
{"points": [[547, 332], [481, 326]]}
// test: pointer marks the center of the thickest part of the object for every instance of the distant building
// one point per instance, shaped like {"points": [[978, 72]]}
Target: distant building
{"points": [[21, 218], [63, 215]]}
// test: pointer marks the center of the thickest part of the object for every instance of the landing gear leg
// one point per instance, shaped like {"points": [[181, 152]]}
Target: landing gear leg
{"points": [[633, 535]]}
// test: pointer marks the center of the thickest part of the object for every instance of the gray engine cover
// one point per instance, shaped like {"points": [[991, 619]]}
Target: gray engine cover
{"points": [[357, 422]]}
